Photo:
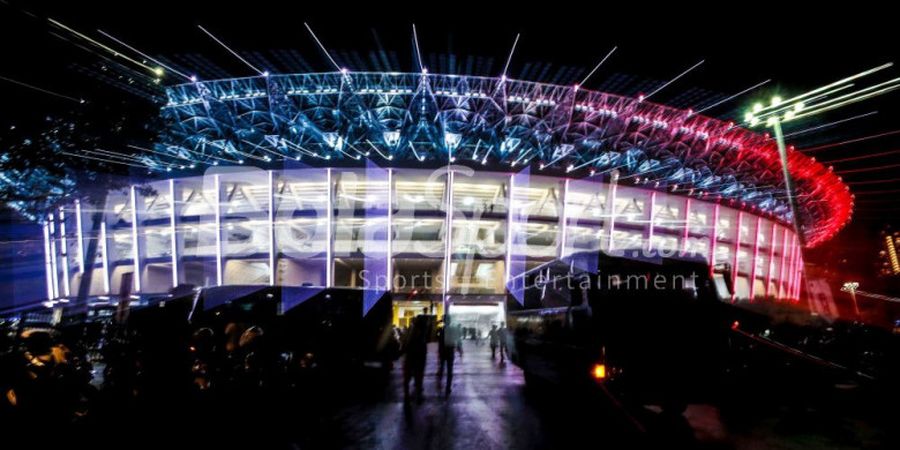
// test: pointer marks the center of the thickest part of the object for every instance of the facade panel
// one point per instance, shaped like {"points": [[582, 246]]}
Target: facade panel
{"points": [[317, 227]]}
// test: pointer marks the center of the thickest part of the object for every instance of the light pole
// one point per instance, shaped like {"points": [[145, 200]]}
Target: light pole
{"points": [[788, 181], [850, 287], [782, 114], [817, 101]]}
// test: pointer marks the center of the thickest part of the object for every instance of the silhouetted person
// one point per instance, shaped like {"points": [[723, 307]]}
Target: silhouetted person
{"points": [[502, 336], [460, 333], [441, 358], [416, 347], [494, 337], [449, 344], [255, 358], [202, 349]]}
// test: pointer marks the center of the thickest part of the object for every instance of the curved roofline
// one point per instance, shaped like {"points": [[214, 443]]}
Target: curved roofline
{"points": [[545, 117]]}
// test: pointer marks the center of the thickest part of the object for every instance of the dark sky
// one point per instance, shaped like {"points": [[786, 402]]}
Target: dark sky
{"points": [[741, 44], [799, 47]]}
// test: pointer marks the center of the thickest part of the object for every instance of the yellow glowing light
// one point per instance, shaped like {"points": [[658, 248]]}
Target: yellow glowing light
{"points": [[757, 107], [159, 71], [892, 253], [599, 371], [100, 45], [776, 100]]}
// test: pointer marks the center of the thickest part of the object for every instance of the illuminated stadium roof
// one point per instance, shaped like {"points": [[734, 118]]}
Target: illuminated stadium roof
{"points": [[422, 119]]}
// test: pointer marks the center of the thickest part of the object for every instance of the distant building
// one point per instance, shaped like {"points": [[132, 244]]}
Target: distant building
{"points": [[887, 255]]}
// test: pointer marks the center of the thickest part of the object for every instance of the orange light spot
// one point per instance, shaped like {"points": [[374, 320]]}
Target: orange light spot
{"points": [[599, 371]]}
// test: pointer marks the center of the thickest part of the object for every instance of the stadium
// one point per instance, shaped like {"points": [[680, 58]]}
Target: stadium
{"points": [[449, 186]]}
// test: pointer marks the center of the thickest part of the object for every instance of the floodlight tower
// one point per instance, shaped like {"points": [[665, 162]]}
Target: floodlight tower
{"points": [[816, 101], [851, 287], [774, 120]]}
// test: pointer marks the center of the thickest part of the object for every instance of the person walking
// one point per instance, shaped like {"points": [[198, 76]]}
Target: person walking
{"points": [[503, 336], [494, 338], [416, 347], [451, 339], [460, 334]]}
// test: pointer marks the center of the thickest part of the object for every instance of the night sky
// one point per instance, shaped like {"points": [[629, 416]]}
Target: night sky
{"points": [[742, 44]]}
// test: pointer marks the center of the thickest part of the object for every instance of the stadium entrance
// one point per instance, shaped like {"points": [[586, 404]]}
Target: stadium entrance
{"points": [[477, 315], [405, 310]]}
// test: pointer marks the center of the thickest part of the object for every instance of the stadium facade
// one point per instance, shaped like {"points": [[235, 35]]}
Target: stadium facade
{"points": [[447, 185]]}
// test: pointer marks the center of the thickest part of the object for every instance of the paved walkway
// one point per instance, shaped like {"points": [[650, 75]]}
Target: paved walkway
{"points": [[489, 408]]}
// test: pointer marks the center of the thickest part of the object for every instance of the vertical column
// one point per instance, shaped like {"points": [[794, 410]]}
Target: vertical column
{"points": [[271, 227], [737, 252], [611, 211], [564, 219], [135, 244], [104, 239], [509, 228], [798, 264], [448, 236], [79, 236], [649, 218], [770, 267], [53, 265], [794, 271], [329, 233], [790, 268], [782, 289], [217, 183], [64, 251], [714, 239], [798, 260], [753, 262], [390, 230], [686, 231], [173, 230], [48, 266]]}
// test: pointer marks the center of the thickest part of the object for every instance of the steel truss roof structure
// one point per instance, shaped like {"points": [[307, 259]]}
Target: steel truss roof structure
{"points": [[429, 119]]}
